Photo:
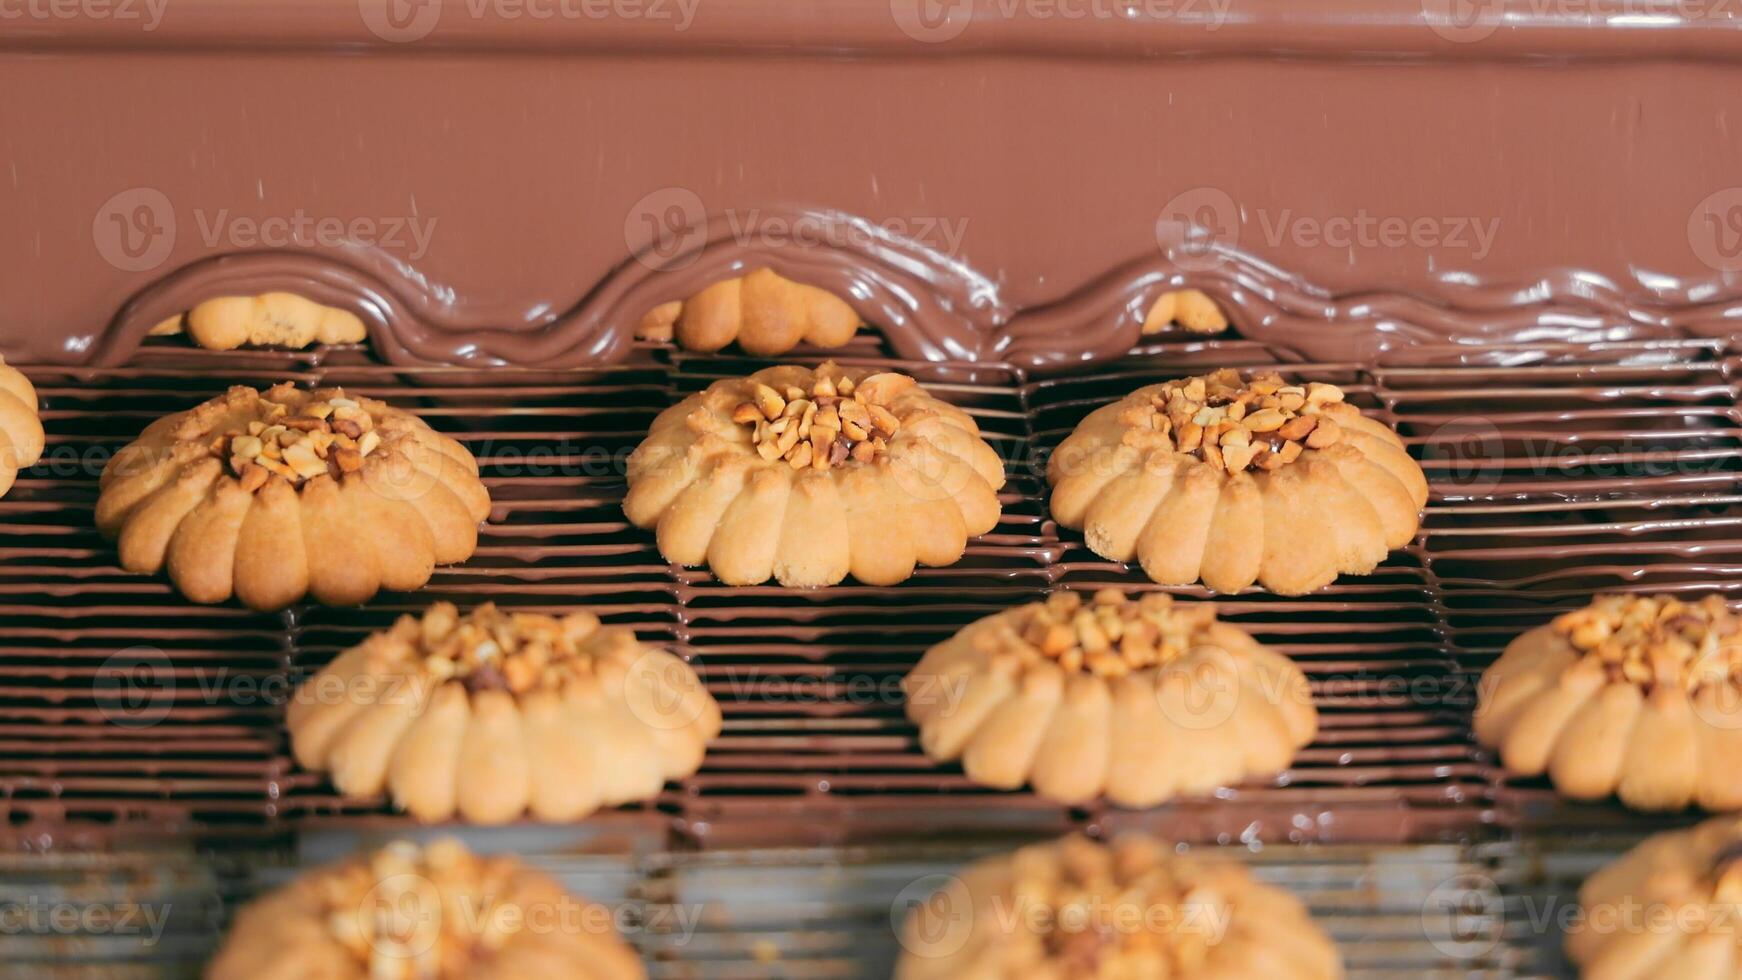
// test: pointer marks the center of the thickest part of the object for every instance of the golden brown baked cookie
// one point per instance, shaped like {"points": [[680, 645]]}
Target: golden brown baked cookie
{"points": [[1074, 909], [21, 435], [1233, 481], [424, 913], [1188, 309], [270, 319], [1634, 696], [1132, 700], [805, 476], [766, 314], [494, 715], [273, 495], [1667, 908]]}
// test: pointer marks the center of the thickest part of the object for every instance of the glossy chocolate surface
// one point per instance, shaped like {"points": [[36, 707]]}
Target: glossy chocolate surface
{"points": [[1014, 187]]}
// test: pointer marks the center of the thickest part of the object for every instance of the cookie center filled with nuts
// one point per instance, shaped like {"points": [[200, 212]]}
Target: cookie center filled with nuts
{"points": [[1263, 423], [331, 437], [1105, 914], [421, 912], [1655, 641], [488, 649], [834, 422], [1110, 636]]}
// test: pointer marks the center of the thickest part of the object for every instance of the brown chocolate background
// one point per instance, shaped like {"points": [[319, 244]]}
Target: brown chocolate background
{"points": [[1054, 143]]}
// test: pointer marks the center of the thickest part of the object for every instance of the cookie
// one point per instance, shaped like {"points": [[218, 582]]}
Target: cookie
{"points": [[1133, 701], [1188, 309], [766, 314], [491, 716], [1232, 481], [1075, 909], [271, 496], [21, 435], [806, 476], [424, 913], [267, 320], [1633, 696], [1667, 908]]}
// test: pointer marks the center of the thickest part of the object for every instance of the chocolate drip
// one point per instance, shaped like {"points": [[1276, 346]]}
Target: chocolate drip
{"points": [[929, 307]]}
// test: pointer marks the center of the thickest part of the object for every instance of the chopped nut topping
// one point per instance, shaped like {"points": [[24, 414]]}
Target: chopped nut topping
{"points": [[324, 437], [518, 652], [1264, 423], [434, 912], [1111, 636], [836, 420], [1658, 640], [1104, 910]]}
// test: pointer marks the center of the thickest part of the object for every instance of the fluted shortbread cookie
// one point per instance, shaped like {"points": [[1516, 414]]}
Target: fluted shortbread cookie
{"points": [[494, 715], [1233, 481], [273, 495], [766, 314], [21, 435], [1634, 696], [806, 476], [1132, 700], [270, 319], [1078, 910], [1666, 909], [424, 913], [1188, 309]]}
